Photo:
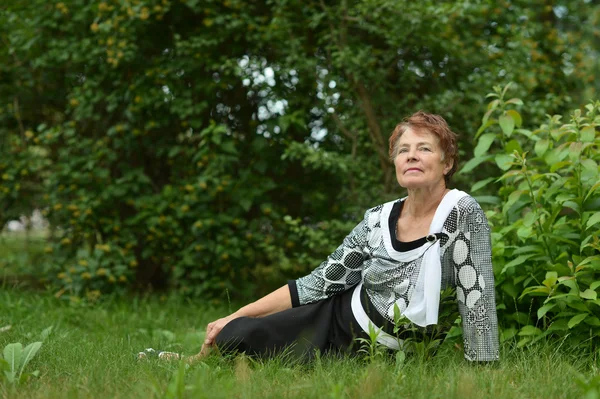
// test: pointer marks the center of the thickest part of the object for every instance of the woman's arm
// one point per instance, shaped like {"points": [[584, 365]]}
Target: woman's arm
{"points": [[472, 258], [274, 302], [341, 270]]}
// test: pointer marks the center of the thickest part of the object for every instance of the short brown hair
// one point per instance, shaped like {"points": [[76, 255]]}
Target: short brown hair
{"points": [[434, 124]]}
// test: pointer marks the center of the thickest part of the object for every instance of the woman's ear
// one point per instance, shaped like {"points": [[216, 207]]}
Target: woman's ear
{"points": [[448, 166]]}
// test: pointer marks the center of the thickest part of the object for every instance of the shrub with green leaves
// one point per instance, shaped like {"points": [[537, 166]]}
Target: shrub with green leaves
{"points": [[545, 215], [167, 140]]}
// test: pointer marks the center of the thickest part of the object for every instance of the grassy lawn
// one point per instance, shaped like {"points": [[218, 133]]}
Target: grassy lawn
{"points": [[91, 352]]}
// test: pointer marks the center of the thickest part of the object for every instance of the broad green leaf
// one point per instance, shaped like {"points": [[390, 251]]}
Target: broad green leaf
{"points": [[545, 309], [559, 165], [541, 147], [552, 274], [519, 260], [13, 354], [485, 121], [513, 146], [484, 143], [482, 183], [588, 134], [397, 313], [571, 204], [510, 173], [589, 294], [28, 353], [507, 124], [595, 285], [590, 166], [529, 330], [516, 116], [590, 259], [528, 248], [571, 284], [246, 204], [558, 325], [525, 232], [513, 197], [578, 305], [527, 133], [561, 239], [575, 151], [594, 219], [576, 320], [488, 199], [592, 321], [549, 282], [591, 191], [493, 104], [229, 148], [46, 333], [516, 101], [504, 161], [507, 334], [529, 219], [473, 163], [505, 89], [484, 126]]}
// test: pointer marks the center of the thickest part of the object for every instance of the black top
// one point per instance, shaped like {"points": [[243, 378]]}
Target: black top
{"points": [[401, 246]]}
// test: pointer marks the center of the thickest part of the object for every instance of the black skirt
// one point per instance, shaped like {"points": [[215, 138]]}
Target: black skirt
{"points": [[327, 326]]}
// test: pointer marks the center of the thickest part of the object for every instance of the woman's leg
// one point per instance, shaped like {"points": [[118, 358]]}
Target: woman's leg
{"points": [[300, 331]]}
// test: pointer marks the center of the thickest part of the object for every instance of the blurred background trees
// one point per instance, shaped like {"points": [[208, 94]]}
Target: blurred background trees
{"points": [[212, 146]]}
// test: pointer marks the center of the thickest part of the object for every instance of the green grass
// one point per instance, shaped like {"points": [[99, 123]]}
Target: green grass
{"points": [[91, 352]]}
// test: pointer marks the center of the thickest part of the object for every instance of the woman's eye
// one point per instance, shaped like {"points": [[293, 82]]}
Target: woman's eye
{"points": [[402, 150], [425, 149]]}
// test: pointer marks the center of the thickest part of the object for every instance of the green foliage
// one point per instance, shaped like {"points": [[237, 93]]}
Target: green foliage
{"points": [[370, 347], [14, 361], [545, 218], [425, 342], [167, 140]]}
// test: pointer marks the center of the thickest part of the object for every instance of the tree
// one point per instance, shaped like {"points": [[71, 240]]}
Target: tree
{"points": [[168, 140]]}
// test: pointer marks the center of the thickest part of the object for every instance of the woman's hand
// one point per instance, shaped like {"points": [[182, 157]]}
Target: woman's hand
{"points": [[213, 329]]}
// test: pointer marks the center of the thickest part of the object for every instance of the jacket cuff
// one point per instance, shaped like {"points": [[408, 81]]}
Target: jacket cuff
{"points": [[294, 293]]}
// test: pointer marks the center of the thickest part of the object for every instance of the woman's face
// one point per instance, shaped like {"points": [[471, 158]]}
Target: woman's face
{"points": [[419, 160]]}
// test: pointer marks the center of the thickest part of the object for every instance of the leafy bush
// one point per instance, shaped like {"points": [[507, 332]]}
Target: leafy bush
{"points": [[546, 219], [167, 140]]}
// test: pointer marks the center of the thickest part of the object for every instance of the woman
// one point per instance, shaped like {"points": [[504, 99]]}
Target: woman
{"points": [[399, 256]]}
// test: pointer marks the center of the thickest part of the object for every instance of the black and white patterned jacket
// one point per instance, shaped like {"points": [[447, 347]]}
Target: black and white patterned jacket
{"points": [[366, 256]]}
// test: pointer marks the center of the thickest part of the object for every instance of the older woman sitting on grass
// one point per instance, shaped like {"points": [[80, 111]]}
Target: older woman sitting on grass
{"points": [[398, 258]]}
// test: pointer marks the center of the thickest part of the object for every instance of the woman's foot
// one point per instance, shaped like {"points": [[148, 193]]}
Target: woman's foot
{"points": [[150, 353], [169, 356]]}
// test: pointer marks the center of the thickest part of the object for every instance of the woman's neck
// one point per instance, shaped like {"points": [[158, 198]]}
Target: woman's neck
{"points": [[422, 202]]}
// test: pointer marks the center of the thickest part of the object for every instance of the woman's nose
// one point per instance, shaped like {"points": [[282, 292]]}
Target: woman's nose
{"points": [[412, 155]]}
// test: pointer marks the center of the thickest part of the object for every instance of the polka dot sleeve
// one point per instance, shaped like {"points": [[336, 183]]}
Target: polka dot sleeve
{"points": [[340, 271], [472, 261]]}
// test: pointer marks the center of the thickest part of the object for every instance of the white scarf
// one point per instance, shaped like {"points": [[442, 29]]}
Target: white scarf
{"points": [[424, 303]]}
